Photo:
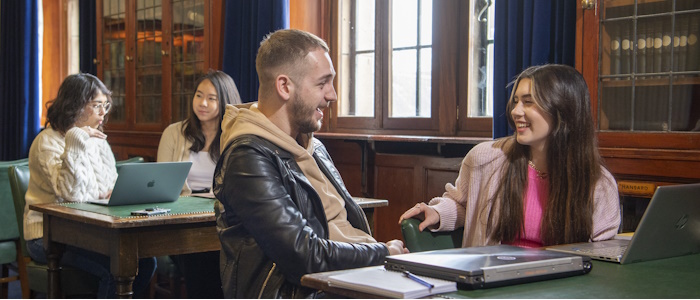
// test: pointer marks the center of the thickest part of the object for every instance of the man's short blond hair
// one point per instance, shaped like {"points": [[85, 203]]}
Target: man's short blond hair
{"points": [[284, 52]]}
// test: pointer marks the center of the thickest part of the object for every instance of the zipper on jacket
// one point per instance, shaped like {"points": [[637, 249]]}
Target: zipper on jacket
{"points": [[269, 274]]}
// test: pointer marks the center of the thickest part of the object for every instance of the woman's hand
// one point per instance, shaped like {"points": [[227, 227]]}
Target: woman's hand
{"points": [[423, 212], [396, 247], [92, 132], [106, 195]]}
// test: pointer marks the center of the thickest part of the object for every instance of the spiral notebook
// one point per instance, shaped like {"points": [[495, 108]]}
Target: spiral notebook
{"points": [[379, 281]]}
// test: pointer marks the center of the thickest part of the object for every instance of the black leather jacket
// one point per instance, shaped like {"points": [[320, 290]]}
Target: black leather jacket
{"points": [[272, 225]]}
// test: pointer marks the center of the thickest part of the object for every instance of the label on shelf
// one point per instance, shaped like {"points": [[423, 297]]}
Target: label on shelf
{"points": [[636, 188]]}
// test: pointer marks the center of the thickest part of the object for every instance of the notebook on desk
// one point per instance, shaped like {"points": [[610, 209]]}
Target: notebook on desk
{"points": [[669, 227], [490, 266], [147, 183]]}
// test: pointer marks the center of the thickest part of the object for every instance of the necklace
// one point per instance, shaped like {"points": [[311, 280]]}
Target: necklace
{"points": [[540, 174]]}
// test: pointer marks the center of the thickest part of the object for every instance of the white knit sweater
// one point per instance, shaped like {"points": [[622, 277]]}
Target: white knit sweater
{"points": [[71, 168]]}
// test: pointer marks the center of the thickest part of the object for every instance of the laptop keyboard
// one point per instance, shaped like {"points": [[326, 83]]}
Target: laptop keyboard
{"points": [[614, 251]]}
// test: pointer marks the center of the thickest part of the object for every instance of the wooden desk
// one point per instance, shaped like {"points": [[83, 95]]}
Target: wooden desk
{"points": [[123, 239], [676, 277], [110, 231]]}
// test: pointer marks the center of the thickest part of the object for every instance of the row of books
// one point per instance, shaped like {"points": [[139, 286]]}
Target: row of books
{"points": [[657, 46], [650, 110]]}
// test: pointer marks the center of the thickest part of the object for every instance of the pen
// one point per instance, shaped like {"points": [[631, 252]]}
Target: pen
{"points": [[417, 279]]}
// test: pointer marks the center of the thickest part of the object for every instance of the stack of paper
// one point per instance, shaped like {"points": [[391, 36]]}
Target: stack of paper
{"points": [[379, 281]]}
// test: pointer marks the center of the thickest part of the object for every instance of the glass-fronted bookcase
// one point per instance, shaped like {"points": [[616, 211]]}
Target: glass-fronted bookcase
{"points": [[641, 60], [150, 54]]}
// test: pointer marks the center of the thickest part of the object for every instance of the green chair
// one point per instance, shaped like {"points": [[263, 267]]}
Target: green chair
{"points": [[418, 241], [74, 282], [10, 249], [136, 159]]}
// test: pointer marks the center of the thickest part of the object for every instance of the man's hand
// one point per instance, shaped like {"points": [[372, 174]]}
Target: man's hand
{"points": [[396, 247]]}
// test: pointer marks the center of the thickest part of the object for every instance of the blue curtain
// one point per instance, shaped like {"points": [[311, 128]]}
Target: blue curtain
{"points": [[20, 77], [528, 33], [88, 36], [247, 22]]}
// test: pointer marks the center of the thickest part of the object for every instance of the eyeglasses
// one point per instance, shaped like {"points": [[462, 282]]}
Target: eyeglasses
{"points": [[97, 106]]}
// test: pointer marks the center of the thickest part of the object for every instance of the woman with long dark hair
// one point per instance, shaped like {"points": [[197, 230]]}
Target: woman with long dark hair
{"points": [[545, 184], [197, 139]]}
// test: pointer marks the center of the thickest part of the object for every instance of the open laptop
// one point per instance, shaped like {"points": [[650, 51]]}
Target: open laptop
{"points": [[147, 183], [490, 266], [669, 227]]}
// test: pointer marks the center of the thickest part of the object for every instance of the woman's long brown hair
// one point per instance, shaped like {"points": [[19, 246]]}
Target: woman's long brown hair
{"points": [[574, 164]]}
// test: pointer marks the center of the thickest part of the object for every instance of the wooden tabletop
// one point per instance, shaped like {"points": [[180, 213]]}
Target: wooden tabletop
{"points": [[118, 222]]}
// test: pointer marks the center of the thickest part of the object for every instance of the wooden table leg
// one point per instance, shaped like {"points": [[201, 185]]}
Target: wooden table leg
{"points": [[124, 262], [54, 252], [125, 287]]}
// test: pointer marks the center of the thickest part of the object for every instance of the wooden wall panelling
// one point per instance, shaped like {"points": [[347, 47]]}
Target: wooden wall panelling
{"points": [[54, 63], [405, 180], [347, 157], [217, 23], [311, 16], [127, 144]]}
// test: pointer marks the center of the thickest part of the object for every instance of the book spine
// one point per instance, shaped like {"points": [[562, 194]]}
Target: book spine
{"points": [[614, 49], [641, 52], [682, 42], [658, 42], [626, 51], [693, 55]]}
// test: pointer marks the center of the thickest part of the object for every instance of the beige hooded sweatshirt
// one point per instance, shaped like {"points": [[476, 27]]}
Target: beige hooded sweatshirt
{"points": [[247, 119]]}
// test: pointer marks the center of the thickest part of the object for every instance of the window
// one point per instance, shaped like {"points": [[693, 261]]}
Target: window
{"points": [[402, 66]]}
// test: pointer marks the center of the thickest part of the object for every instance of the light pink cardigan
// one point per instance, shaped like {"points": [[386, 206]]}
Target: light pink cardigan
{"points": [[466, 203]]}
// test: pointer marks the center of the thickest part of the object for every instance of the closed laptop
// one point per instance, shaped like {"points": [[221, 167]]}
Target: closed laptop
{"points": [[490, 266]]}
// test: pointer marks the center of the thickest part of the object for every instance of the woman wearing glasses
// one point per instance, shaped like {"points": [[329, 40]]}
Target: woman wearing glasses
{"points": [[70, 160], [196, 139]]}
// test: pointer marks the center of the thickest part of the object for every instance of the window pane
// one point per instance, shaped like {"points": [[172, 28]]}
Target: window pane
{"points": [[148, 63], [481, 56], [685, 96], [364, 25], [426, 22], [403, 87], [113, 53], [356, 79], [426, 55], [187, 56], [364, 85], [404, 23]]}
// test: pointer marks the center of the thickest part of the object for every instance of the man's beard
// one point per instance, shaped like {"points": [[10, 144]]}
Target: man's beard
{"points": [[302, 116]]}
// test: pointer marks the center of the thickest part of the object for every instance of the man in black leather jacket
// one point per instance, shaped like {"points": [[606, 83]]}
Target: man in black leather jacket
{"points": [[284, 210]]}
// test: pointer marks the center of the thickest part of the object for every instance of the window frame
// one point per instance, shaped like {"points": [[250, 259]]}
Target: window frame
{"points": [[450, 65]]}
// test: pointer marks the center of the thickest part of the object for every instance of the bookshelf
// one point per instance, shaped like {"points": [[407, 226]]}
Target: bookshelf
{"points": [[641, 61], [150, 54]]}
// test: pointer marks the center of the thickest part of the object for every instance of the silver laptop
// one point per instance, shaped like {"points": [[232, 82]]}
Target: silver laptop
{"points": [[490, 266], [147, 183], [669, 227]]}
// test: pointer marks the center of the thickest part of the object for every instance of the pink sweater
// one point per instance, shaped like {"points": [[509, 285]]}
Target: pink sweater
{"points": [[466, 202], [536, 197]]}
